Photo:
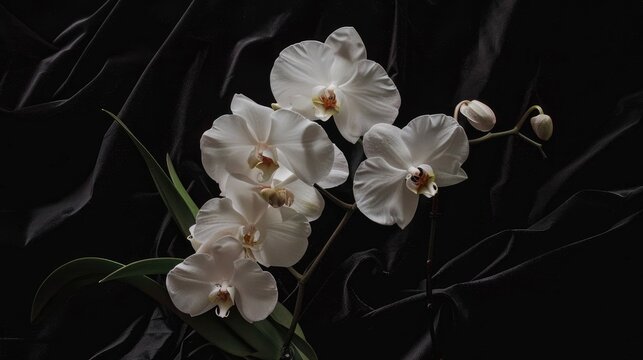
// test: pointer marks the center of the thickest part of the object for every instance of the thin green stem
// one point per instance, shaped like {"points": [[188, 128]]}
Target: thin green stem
{"points": [[431, 246], [524, 117], [295, 273], [456, 111], [538, 145], [514, 131], [489, 136], [308, 273], [313, 266], [333, 198], [285, 350]]}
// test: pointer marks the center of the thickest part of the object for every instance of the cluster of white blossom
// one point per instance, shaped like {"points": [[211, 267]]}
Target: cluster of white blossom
{"points": [[267, 161]]}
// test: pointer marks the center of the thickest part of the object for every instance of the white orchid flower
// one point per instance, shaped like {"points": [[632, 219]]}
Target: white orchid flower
{"points": [[271, 236], [334, 78], [404, 163], [255, 136], [285, 189], [218, 279]]}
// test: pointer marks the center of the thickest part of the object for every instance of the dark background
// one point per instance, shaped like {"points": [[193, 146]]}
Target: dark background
{"points": [[562, 284]]}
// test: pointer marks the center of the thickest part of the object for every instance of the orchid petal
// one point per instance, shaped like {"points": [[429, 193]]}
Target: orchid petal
{"points": [[381, 193], [226, 146], [297, 70], [251, 180], [346, 43], [257, 116], [439, 141], [256, 290], [348, 48], [338, 173], [216, 219], [385, 141], [284, 237], [246, 199], [303, 146], [195, 244], [369, 97], [303, 104], [308, 201], [189, 284], [225, 251]]}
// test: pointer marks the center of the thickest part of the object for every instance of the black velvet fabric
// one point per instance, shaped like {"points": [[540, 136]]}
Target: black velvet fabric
{"points": [[534, 258]]}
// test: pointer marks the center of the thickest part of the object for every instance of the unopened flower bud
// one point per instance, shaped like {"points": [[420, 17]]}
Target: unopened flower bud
{"points": [[543, 126], [480, 116]]}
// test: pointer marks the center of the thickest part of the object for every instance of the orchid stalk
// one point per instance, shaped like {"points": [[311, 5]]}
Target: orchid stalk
{"points": [[302, 279], [274, 166], [513, 131]]}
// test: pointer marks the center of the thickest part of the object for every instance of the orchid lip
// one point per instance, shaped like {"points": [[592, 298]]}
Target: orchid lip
{"points": [[221, 296], [250, 239], [421, 180], [264, 158], [325, 101]]}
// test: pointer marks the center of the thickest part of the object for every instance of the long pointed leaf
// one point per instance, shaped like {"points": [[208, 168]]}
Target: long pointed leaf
{"points": [[300, 344], [85, 271], [179, 186], [179, 209], [267, 348], [282, 318], [153, 266]]}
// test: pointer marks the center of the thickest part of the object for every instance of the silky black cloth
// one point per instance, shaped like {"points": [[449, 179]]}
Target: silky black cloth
{"points": [[535, 258]]}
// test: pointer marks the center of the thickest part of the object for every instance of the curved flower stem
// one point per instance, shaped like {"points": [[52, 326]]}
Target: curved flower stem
{"points": [[489, 136], [311, 268], [298, 312], [433, 215], [456, 111], [514, 131], [534, 143], [333, 198], [295, 273]]}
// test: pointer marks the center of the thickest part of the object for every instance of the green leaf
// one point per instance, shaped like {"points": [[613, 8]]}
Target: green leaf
{"points": [[266, 347], [73, 274], [282, 318], [175, 203], [179, 186], [269, 330], [85, 271], [306, 351], [153, 266]]}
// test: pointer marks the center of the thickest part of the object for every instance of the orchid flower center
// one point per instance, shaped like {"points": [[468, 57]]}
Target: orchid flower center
{"points": [[250, 237], [421, 180], [325, 101], [264, 158], [221, 295], [277, 197]]}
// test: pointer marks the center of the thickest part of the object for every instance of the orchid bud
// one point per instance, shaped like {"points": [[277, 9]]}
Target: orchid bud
{"points": [[543, 126], [480, 116]]}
